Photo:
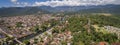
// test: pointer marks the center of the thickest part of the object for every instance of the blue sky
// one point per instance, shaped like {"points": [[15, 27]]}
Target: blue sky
{"points": [[8, 3], [22, 3], [5, 3]]}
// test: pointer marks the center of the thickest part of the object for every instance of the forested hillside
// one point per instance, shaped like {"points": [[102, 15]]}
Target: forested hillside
{"points": [[11, 11], [85, 33]]}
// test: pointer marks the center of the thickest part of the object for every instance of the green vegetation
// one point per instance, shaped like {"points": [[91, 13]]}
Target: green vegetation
{"points": [[35, 28], [19, 24], [26, 42], [85, 29], [105, 20], [78, 25], [42, 27]]}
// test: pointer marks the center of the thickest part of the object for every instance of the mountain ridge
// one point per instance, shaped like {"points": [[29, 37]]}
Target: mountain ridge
{"points": [[60, 9]]}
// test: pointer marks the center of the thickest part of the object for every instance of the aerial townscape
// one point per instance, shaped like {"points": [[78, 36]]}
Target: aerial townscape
{"points": [[60, 22]]}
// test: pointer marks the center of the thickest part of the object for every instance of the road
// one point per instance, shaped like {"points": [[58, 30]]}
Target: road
{"points": [[28, 37], [4, 30], [31, 36]]}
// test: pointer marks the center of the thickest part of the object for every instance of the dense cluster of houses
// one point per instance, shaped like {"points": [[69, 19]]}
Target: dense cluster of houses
{"points": [[52, 39], [27, 22], [112, 29]]}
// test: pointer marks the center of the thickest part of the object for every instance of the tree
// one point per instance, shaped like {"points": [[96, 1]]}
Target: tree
{"points": [[19, 24]]}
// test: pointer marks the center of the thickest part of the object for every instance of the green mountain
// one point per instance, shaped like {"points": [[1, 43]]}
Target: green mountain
{"points": [[114, 9]]}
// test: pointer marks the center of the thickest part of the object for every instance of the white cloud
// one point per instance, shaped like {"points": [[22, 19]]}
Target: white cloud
{"points": [[22, 4], [13, 1], [54, 3]]}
